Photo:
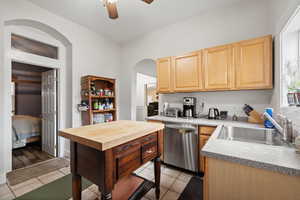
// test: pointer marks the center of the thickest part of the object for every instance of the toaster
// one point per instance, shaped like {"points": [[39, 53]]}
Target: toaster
{"points": [[173, 112]]}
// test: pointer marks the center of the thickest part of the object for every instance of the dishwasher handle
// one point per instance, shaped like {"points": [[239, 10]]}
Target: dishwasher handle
{"points": [[182, 127]]}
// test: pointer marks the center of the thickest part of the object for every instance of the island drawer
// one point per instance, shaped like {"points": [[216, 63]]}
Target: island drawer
{"points": [[128, 163], [130, 156], [149, 151], [127, 148], [149, 138]]}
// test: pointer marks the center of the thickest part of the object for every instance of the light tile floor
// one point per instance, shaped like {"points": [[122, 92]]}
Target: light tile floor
{"points": [[173, 183]]}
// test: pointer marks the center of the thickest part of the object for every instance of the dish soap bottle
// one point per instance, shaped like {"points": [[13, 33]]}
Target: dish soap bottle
{"points": [[268, 123]]}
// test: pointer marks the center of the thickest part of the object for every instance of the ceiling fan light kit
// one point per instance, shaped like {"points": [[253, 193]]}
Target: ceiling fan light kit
{"points": [[111, 6]]}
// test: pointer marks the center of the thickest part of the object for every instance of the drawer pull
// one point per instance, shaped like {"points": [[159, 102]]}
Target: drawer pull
{"points": [[149, 151], [148, 139], [126, 147]]}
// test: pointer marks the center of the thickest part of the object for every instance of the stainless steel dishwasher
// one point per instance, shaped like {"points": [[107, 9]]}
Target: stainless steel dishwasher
{"points": [[181, 146]]}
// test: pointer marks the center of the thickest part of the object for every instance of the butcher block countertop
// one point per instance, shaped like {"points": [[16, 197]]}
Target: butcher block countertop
{"points": [[108, 135]]}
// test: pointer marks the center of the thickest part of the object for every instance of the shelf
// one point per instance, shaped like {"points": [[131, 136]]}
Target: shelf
{"points": [[99, 83], [102, 97], [103, 111]]}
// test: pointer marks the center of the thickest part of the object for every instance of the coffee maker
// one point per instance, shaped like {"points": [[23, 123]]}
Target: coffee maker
{"points": [[189, 107]]}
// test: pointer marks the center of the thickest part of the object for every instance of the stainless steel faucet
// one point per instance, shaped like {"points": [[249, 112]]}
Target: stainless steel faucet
{"points": [[284, 127]]}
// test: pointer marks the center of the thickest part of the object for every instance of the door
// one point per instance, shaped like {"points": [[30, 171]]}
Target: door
{"points": [[254, 63], [49, 112], [187, 72], [218, 73], [163, 68]]}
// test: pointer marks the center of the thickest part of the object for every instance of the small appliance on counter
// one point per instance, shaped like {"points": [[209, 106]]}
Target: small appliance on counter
{"points": [[165, 108], [223, 115], [213, 113], [189, 107], [253, 116], [152, 109], [173, 112]]}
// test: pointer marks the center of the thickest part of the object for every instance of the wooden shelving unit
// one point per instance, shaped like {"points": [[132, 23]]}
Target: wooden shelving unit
{"points": [[88, 96]]}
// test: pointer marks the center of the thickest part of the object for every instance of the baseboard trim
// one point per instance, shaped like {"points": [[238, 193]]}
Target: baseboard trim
{"points": [[2, 179]]}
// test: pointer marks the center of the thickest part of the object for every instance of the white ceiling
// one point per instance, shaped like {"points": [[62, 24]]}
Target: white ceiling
{"points": [[135, 17]]}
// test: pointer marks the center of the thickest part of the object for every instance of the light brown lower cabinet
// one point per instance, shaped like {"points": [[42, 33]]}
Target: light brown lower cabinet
{"points": [[204, 135], [225, 180], [202, 141]]}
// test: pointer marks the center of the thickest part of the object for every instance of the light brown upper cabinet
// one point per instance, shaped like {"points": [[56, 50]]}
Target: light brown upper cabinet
{"points": [[163, 68], [217, 67], [187, 73], [254, 63], [242, 65]]}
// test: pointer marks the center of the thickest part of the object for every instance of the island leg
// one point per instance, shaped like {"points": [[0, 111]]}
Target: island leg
{"points": [[76, 186], [76, 178], [157, 164]]}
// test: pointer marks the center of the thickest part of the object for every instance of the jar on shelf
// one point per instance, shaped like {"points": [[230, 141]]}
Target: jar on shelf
{"points": [[95, 105], [107, 92], [101, 92]]}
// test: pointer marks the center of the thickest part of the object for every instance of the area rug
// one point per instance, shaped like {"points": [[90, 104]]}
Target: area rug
{"points": [[60, 189], [21, 175], [133, 188], [193, 190]]}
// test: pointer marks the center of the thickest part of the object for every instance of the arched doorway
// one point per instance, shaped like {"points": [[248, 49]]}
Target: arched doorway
{"points": [[39, 32], [145, 97]]}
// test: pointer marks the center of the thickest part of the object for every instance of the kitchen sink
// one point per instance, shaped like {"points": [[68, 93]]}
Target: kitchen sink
{"points": [[251, 135]]}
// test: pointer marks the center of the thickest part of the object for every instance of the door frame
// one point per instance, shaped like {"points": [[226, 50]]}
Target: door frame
{"points": [[17, 56]]}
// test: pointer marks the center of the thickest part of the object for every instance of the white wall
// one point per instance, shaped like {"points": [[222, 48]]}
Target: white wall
{"points": [[147, 67], [244, 20], [92, 54]]}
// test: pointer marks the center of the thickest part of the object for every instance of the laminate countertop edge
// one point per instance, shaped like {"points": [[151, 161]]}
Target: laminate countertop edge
{"points": [[273, 158]]}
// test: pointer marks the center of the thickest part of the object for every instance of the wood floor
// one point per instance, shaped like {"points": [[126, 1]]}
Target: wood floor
{"points": [[28, 155]]}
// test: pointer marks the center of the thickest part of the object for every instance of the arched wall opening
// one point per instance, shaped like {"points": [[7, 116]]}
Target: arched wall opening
{"points": [[64, 66], [143, 88]]}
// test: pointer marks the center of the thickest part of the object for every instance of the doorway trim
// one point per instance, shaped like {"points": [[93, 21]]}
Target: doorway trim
{"points": [[27, 58]]}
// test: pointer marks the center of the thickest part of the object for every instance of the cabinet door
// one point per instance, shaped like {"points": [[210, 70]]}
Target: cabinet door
{"points": [[187, 72], [254, 63], [217, 65], [163, 68], [203, 139]]}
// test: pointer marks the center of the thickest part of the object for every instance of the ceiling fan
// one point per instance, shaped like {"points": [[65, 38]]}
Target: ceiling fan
{"points": [[111, 6]]}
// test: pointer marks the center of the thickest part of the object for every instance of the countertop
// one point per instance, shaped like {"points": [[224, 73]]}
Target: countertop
{"points": [[279, 159], [108, 135]]}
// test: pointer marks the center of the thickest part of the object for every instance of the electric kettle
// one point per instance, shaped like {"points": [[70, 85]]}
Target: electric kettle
{"points": [[213, 113]]}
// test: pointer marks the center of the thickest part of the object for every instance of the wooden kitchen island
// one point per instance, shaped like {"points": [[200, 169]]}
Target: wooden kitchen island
{"points": [[107, 154]]}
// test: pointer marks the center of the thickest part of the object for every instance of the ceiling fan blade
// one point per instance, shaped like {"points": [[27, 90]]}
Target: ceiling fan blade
{"points": [[112, 10], [148, 1]]}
